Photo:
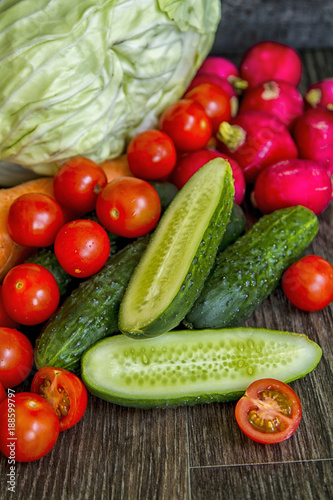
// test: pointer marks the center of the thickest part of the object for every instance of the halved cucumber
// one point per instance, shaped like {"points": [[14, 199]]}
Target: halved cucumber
{"points": [[180, 254], [191, 367]]}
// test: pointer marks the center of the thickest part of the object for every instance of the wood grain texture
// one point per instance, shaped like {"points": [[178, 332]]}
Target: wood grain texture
{"points": [[303, 25], [287, 481], [199, 453]]}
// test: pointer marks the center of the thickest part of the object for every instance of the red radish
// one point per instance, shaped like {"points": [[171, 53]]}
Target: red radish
{"points": [[280, 99], [190, 163], [255, 139], [270, 60], [214, 100], [313, 134], [220, 82], [320, 94], [221, 67], [292, 182]]}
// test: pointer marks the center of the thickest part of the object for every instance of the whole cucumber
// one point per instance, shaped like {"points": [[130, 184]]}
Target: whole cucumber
{"points": [[89, 313], [247, 271]]}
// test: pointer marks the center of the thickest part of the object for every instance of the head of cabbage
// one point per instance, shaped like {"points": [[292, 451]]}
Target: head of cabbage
{"points": [[81, 77]]}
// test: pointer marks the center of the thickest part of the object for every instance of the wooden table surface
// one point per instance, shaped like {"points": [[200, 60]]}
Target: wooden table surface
{"points": [[198, 453]]}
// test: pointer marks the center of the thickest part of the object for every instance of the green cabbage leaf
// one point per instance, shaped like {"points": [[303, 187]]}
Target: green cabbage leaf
{"points": [[82, 77]]}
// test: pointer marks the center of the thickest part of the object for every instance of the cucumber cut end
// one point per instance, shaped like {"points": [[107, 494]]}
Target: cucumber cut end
{"points": [[191, 367]]}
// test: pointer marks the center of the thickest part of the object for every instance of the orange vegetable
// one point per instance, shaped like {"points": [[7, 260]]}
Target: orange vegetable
{"points": [[116, 167], [11, 253]]}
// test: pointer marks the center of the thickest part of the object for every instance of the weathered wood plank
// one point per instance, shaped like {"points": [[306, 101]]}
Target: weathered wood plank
{"points": [[303, 25], [287, 481], [113, 453]]}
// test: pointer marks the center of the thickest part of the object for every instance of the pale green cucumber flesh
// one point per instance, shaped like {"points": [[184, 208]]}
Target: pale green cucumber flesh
{"points": [[192, 367], [182, 250]]}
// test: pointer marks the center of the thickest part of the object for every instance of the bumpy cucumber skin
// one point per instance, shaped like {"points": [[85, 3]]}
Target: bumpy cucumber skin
{"points": [[89, 313], [251, 337], [198, 270], [250, 269], [235, 227]]}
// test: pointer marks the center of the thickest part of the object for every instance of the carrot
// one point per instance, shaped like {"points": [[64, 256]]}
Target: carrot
{"points": [[116, 167], [11, 253]]}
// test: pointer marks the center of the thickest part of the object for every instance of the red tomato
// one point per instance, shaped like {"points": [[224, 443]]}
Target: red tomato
{"points": [[151, 155], [128, 207], [269, 412], [191, 162], [30, 293], [3, 393], [16, 357], [214, 100], [64, 391], [308, 283], [188, 125], [82, 247], [77, 184], [5, 319], [29, 428], [41, 217]]}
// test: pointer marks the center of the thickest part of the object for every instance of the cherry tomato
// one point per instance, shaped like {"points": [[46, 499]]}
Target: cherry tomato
{"points": [[269, 412], [82, 247], [308, 283], [128, 207], [77, 184], [41, 217], [29, 428], [16, 357], [214, 100], [188, 125], [151, 155], [30, 293], [64, 391], [5, 319], [3, 393]]}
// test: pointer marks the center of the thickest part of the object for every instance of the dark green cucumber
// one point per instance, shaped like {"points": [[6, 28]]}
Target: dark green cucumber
{"points": [[89, 313], [180, 254], [166, 192], [250, 269], [192, 367], [46, 257], [235, 227]]}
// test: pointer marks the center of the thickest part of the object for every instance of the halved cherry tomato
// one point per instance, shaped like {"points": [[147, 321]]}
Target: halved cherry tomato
{"points": [[308, 283], [82, 247], [214, 100], [3, 393], [64, 391], [16, 357], [188, 125], [29, 428], [77, 184], [5, 319], [30, 293], [151, 155], [269, 412], [34, 220], [128, 207]]}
